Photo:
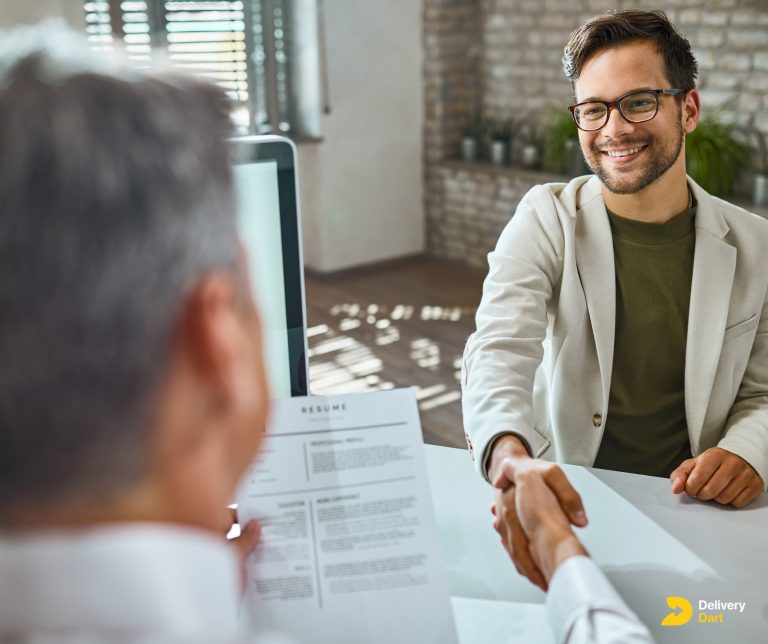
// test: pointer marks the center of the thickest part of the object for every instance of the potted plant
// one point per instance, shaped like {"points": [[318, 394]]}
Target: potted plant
{"points": [[562, 153], [531, 154], [714, 155], [471, 139], [500, 141]]}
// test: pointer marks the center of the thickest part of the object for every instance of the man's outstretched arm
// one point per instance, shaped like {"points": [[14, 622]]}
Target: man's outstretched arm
{"points": [[502, 356]]}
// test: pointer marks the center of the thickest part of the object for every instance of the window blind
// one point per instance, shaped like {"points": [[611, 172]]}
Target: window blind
{"points": [[98, 25], [242, 45]]}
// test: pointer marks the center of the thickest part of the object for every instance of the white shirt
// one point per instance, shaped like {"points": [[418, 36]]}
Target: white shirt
{"points": [[139, 583], [152, 584], [584, 608]]}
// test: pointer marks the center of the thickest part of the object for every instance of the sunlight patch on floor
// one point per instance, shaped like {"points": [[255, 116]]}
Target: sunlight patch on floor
{"points": [[341, 363]]}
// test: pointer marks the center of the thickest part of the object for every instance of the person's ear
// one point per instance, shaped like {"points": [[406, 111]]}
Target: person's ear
{"points": [[216, 339], [691, 110]]}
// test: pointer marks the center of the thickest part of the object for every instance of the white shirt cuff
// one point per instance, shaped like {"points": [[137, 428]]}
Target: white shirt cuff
{"points": [[577, 591]]}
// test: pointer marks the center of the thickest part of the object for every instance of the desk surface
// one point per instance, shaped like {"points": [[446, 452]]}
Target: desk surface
{"points": [[650, 543]]}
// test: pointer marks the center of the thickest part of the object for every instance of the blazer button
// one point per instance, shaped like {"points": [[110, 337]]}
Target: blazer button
{"points": [[469, 446], [597, 420]]}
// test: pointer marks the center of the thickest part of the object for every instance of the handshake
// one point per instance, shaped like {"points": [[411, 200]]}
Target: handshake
{"points": [[534, 510]]}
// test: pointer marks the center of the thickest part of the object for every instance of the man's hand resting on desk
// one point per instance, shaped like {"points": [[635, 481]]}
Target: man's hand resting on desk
{"points": [[515, 507], [720, 475]]}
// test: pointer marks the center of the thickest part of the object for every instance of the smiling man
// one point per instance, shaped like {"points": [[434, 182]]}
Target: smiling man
{"points": [[624, 320]]}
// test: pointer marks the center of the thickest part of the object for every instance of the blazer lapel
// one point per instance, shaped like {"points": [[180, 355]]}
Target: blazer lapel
{"points": [[714, 265], [594, 259]]}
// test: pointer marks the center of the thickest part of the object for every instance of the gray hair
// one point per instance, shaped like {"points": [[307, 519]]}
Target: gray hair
{"points": [[115, 197]]}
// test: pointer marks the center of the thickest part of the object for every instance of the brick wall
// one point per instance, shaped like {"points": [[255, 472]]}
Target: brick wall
{"points": [[501, 57], [453, 41], [524, 39], [476, 202]]}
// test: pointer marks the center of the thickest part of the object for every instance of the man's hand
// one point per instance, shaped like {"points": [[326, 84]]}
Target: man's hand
{"points": [[513, 537], [541, 515], [720, 475], [509, 456]]}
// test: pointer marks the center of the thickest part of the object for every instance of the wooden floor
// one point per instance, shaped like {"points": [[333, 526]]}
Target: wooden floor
{"points": [[395, 326]]}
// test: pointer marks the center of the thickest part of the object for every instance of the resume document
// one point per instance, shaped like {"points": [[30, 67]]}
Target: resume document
{"points": [[349, 544]]}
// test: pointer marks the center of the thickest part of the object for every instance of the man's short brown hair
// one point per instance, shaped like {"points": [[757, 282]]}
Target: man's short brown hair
{"points": [[617, 27]]}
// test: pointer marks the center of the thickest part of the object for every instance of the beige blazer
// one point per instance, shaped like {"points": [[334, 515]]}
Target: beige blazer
{"points": [[539, 364]]}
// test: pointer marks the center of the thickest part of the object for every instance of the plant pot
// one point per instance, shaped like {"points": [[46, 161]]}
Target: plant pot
{"points": [[531, 156], [760, 190], [499, 152], [469, 148]]}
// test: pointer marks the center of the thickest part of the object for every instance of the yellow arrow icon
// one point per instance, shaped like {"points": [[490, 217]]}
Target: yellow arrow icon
{"points": [[684, 614]]}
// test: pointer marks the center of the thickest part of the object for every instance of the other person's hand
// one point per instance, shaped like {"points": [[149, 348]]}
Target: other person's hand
{"points": [[509, 455], [245, 543], [541, 514], [720, 475]]}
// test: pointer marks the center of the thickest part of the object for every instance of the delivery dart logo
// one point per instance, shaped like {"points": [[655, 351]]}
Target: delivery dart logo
{"points": [[683, 614]]}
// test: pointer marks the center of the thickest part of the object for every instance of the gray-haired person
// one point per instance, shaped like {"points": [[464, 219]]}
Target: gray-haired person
{"points": [[132, 390]]}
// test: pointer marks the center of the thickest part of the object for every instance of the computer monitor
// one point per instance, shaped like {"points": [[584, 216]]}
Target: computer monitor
{"points": [[266, 185]]}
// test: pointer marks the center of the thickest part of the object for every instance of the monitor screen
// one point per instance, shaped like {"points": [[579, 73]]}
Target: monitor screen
{"points": [[265, 184]]}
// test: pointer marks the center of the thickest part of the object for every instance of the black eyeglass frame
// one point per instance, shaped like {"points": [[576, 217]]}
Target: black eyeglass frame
{"points": [[616, 105]]}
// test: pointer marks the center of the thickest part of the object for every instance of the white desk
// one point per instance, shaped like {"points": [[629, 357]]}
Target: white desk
{"points": [[649, 542]]}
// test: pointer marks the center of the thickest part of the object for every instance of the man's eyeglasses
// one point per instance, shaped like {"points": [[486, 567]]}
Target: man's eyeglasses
{"points": [[635, 107]]}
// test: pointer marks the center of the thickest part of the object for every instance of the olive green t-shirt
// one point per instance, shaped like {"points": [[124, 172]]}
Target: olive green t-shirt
{"points": [[646, 430]]}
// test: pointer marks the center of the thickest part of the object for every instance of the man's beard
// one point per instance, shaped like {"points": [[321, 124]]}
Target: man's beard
{"points": [[657, 166]]}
